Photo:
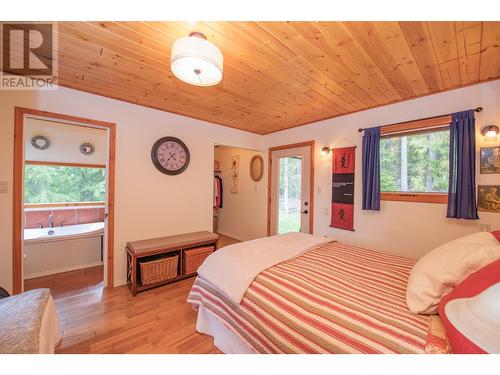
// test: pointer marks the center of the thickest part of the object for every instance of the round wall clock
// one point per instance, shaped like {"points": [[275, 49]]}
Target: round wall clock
{"points": [[170, 155]]}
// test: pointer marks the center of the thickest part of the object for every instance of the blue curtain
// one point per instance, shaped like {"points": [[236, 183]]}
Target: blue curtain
{"points": [[462, 180], [371, 169]]}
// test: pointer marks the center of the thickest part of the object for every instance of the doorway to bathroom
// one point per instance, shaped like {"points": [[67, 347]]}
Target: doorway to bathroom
{"points": [[63, 203]]}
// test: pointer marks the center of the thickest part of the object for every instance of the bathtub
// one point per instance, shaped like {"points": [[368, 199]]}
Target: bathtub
{"points": [[36, 235], [54, 250]]}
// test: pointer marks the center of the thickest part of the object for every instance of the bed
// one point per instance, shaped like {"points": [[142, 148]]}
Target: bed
{"points": [[329, 297], [29, 323]]}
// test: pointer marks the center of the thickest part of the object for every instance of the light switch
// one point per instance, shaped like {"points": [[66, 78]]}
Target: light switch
{"points": [[4, 187], [326, 211], [318, 190]]}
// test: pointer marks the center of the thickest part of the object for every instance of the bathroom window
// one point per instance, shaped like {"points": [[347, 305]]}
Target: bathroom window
{"points": [[57, 184]]}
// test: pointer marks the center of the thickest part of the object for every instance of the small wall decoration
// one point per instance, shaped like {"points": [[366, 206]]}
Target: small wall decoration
{"points": [[40, 142], [87, 148], [256, 168], [488, 198], [490, 160], [235, 173], [343, 188]]}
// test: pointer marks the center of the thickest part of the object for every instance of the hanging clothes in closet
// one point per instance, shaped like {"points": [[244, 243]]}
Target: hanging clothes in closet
{"points": [[217, 191]]}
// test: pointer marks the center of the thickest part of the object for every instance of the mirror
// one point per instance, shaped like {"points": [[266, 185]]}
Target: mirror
{"points": [[256, 168]]}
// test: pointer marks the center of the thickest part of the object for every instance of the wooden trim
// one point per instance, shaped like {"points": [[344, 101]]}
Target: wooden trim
{"points": [[414, 197], [20, 113], [63, 164], [111, 205], [409, 126], [412, 127], [269, 182], [17, 219], [63, 204], [292, 145], [311, 144], [52, 115]]}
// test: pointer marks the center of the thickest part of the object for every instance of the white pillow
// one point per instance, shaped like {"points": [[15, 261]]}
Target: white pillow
{"points": [[438, 271]]}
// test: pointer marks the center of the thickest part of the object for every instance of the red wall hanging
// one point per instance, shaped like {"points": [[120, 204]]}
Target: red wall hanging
{"points": [[343, 188]]}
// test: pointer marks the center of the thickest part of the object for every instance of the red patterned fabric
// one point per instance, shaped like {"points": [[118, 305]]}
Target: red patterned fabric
{"points": [[471, 286], [343, 160], [496, 234], [336, 298]]}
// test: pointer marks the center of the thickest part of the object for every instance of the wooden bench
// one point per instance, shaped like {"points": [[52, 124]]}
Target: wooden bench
{"points": [[170, 245]]}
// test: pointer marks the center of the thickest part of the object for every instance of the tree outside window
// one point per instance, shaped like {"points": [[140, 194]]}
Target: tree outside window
{"points": [[57, 184]]}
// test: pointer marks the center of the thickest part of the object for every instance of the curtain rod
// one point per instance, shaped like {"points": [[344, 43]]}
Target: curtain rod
{"points": [[478, 109]]}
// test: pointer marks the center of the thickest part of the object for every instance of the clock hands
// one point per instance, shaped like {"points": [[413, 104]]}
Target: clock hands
{"points": [[171, 156]]}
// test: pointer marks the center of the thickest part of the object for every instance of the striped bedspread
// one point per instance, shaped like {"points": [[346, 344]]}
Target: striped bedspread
{"points": [[334, 299]]}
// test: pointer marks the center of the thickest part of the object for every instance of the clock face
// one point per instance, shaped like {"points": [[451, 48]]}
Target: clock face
{"points": [[170, 155]]}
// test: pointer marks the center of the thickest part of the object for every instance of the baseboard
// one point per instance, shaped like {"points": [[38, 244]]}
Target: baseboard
{"points": [[61, 270]]}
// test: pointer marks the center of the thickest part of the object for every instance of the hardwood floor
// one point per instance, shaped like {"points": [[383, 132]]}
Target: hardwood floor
{"points": [[112, 321], [67, 284]]}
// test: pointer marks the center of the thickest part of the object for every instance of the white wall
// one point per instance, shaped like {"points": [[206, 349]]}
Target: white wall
{"points": [[407, 228], [148, 203], [243, 215], [65, 142]]}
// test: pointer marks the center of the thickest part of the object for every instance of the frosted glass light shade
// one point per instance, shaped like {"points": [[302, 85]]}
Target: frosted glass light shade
{"points": [[478, 318], [196, 61]]}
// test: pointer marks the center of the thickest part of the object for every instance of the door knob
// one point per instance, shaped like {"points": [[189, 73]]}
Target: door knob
{"points": [[304, 212]]}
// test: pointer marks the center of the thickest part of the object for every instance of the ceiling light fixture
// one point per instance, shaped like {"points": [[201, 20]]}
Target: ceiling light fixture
{"points": [[196, 61]]}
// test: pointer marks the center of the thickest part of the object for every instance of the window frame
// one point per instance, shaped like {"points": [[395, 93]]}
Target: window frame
{"points": [[63, 204], [410, 128]]}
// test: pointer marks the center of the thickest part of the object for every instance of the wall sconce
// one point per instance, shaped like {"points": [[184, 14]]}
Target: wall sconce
{"points": [[325, 151], [490, 132]]}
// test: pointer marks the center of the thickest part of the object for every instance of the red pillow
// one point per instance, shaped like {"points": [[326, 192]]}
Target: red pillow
{"points": [[474, 284], [496, 234]]}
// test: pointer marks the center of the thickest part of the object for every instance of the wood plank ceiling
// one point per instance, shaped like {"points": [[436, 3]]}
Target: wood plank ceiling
{"points": [[279, 75]]}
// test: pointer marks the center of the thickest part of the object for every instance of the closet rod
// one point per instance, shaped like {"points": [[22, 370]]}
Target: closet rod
{"points": [[478, 109]]}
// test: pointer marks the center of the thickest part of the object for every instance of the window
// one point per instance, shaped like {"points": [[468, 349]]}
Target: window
{"points": [[414, 165], [290, 190], [57, 184]]}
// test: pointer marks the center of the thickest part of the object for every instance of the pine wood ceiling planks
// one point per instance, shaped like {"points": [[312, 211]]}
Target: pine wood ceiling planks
{"points": [[278, 75]]}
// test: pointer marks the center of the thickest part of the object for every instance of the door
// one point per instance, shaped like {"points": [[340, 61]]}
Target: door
{"points": [[18, 196], [290, 195]]}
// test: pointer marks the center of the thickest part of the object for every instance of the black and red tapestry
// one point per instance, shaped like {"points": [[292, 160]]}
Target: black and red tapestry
{"points": [[343, 188]]}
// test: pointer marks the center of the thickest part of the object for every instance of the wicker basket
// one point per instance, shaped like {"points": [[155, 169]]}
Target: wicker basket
{"points": [[159, 270], [193, 258]]}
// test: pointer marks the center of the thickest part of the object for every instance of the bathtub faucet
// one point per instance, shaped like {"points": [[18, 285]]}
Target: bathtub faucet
{"points": [[51, 221]]}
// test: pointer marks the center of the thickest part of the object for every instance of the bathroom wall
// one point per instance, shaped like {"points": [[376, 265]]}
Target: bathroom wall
{"points": [[65, 142], [243, 215], [34, 218]]}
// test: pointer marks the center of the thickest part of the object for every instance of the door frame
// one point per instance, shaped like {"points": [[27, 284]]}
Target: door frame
{"points": [[311, 144], [17, 209]]}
